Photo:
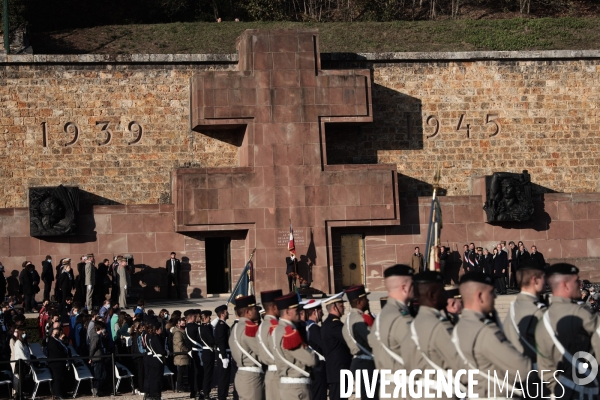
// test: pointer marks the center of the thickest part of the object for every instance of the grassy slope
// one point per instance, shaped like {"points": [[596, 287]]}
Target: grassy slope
{"points": [[448, 35]]}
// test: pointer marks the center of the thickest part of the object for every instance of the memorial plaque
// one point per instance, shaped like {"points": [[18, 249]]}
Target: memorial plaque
{"points": [[53, 210], [508, 197]]}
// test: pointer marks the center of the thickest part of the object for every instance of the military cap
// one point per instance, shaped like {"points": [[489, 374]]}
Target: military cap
{"points": [[206, 313], [290, 300], [562, 269], [398, 270], [245, 301], [428, 277], [270, 295], [197, 311], [356, 292], [310, 304], [479, 277], [480, 249], [452, 292], [530, 265], [220, 309], [336, 298], [383, 301]]}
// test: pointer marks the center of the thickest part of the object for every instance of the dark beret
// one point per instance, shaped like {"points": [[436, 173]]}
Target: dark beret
{"points": [[398, 270], [270, 296], [188, 312], [220, 309], [479, 277], [428, 277], [206, 313], [530, 265], [562, 269]]}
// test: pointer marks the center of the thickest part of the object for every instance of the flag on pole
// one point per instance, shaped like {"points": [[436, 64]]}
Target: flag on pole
{"points": [[245, 284], [291, 244]]}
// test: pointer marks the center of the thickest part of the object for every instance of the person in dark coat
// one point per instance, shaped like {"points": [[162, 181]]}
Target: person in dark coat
{"points": [[47, 276], [522, 257], [444, 265], [57, 349], [500, 268], [223, 370], [100, 289], [290, 270], [314, 314], [28, 286], [173, 266], [2, 283], [80, 291], [192, 341], [537, 258], [154, 360], [97, 349], [207, 339], [488, 262], [65, 281], [337, 352]]}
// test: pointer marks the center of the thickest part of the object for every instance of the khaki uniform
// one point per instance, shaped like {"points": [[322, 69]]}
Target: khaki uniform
{"points": [[90, 280], [249, 379], [390, 327], [431, 330], [525, 313], [356, 333], [481, 344], [293, 366], [576, 330], [267, 356]]}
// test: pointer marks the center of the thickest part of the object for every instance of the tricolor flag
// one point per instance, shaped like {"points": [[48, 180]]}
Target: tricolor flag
{"points": [[291, 244]]}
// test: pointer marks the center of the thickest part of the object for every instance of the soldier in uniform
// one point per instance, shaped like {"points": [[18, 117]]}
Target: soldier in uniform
{"points": [[245, 350], [428, 345], [453, 304], [223, 369], [207, 340], [481, 344], [356, 332], [526, 310], [192, 341], [294, 359], [336, 349], [265, 331], [392, 323], [314, 315], [567, 329], [479, 260]]}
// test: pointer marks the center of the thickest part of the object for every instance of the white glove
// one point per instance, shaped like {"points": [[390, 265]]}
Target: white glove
{"points": [[125, 287], [225, 362], [89, 287]]}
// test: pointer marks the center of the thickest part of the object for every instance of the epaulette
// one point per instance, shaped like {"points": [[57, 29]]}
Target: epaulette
{"points": [[500, 336], [291, 338], [251, 329], [404, 312], [274, 323], [369, 320]]}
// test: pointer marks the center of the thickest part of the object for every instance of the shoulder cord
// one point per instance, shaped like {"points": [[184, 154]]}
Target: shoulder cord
{"points": [[387, 350], [308, 338], [361, 348], [235, 339], [263, 343], [291, 365], [192, 340], [203, 342], [557, 343], [154, 354]]}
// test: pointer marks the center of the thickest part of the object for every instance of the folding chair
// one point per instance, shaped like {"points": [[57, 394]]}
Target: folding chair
{"points": [[82, 373], [36, 351], [170, 374], [6, 378], [40, 374], [121, 372]]}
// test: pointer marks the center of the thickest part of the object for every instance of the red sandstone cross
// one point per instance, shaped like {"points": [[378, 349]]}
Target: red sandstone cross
{"points": [[282, 100]]}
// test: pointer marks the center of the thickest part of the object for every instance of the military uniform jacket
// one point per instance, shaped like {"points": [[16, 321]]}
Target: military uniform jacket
{"points": [[337, 353], [192, 337], [207, 335], [264, 338], [390, 327], [222, 338], [483, 345], [90, 274], [527, 311], [313, 337], [576, 329], [248, 343], [302, 357], [155, 355], [356, 334]]}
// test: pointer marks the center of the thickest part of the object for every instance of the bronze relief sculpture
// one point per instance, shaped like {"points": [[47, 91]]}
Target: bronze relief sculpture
{"points": [[53, 210], [508, 197]]}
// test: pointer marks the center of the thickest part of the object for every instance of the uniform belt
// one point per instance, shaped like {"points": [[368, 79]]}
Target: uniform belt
{"points": [[251, 369], [272, 368], [206, 348], [364, 357], [590, 391], [285, 379]]}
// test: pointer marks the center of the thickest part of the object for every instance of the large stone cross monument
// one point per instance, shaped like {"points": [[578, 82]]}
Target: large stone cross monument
{"points": [[281, 102]]}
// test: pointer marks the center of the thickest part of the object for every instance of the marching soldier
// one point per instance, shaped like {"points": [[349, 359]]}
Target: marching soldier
{"points": [[314, 315], [265, 331], [356, 332], [222, 348], [245, 350], [336, 349], [526, 311], [208, 352], [480, 343], [192, 341], [292, 356], [565, 337], [428, 344], [392, 323]]}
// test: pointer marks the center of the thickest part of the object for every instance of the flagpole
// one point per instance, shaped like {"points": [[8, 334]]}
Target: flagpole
{"points": [[432, 233]]}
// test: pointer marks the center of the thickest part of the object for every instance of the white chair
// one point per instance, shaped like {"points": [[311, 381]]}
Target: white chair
{"points": [[7, 375], [121, 372], [82, 373], [40, 374], [169, 373]]}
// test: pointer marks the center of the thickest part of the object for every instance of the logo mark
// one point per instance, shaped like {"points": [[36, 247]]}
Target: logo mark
{"points": [[584, 363]]}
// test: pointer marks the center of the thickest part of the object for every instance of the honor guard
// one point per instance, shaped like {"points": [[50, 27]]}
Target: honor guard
{"points": [[208, 351], [526, 310], [428, 345], [294, 359], [392, 323], [314, 315], [265, 331], [233, 365], [192, 341], [480, 343], [336, 349], [356, 332], [245, 349], [223, 370], [154, 360], [454, 304], [566, 330]]}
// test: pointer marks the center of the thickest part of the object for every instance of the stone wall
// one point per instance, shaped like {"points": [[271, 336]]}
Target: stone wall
{"points": [[544, 103]]}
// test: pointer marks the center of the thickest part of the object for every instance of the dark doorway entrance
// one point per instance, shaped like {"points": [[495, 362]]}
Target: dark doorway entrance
{"points": [[218, 265]]}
